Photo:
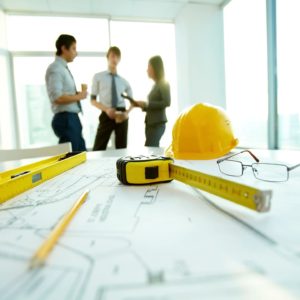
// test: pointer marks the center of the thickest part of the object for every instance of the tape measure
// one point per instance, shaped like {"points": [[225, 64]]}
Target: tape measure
{"points": [[139, 170], [19, 180]]}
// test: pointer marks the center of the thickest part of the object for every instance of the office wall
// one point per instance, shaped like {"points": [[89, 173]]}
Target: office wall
{"points": [[200, 55]]}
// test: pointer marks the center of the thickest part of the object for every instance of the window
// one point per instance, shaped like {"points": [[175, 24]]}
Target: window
{"points": [[246, 70], [91, 33], [6, 138], [7, 126], [288, 61], [2, 30], [34, 114]]}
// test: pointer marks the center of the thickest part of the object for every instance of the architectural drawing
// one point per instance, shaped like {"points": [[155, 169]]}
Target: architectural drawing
{"points": [[136, 242]]}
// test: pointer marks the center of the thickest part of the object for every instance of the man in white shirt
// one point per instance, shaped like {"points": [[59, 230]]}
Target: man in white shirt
{"points": [[109, 86]]}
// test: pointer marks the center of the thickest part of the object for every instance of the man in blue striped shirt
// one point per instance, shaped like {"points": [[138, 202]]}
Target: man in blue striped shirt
{"points": [[65, 100]]}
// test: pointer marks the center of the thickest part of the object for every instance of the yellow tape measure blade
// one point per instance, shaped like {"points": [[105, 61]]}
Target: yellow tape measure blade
{"points": [[253, 198]]}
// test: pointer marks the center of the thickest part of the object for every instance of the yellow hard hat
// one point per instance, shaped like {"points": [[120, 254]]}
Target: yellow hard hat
{"points": [[202, 131]]}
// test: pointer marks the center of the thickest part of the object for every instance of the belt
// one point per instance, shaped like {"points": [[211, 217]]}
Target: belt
{"points": [[66, 112]]}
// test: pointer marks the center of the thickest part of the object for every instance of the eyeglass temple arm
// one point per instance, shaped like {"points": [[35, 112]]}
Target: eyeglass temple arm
{"points": [[248, 151], [293, 167], [253, 156]]}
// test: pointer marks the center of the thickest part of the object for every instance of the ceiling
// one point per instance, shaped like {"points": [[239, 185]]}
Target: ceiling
{"points": [[129, 9]]}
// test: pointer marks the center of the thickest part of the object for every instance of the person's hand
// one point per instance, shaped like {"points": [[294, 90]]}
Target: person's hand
{"points": [[111, 112], [82, 95], [121, 116], [125, 116], [141, 104]]}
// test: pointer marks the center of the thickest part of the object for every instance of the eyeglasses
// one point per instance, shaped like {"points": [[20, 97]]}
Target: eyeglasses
{"points": [[262, 171]]}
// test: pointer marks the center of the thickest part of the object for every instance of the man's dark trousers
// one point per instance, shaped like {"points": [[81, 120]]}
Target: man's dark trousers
{"points": [[67, 127], [105, 128]]}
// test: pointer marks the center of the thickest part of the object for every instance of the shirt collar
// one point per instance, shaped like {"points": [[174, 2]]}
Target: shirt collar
{"points": [[61, 61], [110, 73]]}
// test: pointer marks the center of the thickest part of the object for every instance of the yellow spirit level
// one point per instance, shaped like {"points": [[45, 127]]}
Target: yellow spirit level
{"points": [[16, 181], [139, 170]]}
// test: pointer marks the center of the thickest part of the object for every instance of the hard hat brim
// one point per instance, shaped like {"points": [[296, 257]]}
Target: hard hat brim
{"points": [[199, 156]]}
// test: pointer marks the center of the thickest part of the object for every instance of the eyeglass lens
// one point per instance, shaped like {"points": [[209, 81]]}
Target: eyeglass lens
{"points": [[270, 172], [231, 167]]}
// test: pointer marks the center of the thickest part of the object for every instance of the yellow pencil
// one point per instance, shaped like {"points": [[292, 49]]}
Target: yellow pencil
{"points": [[42, 253]]}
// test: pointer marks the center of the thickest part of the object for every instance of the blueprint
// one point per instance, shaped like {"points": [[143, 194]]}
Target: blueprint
{"points": [[156, 242]]}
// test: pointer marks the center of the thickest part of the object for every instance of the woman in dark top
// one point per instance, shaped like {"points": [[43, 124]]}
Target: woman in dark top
{"points": [[158, 99]]}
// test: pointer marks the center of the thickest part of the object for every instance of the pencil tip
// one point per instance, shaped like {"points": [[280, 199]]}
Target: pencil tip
{"points": [[35, 263]]}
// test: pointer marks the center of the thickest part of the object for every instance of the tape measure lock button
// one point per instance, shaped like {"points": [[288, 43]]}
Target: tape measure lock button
{"points": [[151, 172]]}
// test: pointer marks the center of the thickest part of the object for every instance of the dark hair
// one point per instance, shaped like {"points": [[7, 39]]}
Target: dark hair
{"points": [[114, 50], [64, 40], [158, 67]]}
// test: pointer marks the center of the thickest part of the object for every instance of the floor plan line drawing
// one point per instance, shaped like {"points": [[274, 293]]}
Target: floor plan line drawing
{"points": [[162, 241]]}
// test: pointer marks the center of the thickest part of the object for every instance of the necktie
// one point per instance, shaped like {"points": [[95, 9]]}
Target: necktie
{"points": [[78, 102], [114, 93]]}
